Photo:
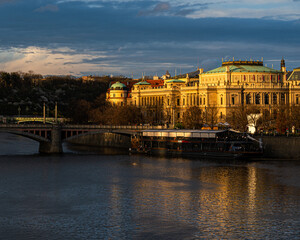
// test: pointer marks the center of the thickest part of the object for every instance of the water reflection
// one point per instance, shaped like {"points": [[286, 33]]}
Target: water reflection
{"points": [[92, 195]]}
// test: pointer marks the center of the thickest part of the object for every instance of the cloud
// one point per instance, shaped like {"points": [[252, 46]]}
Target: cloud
{"points": [[48, 8], [158, 9]]}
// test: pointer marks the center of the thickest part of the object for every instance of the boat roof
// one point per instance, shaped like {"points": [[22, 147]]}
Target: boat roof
{"points": [[183, 133]]}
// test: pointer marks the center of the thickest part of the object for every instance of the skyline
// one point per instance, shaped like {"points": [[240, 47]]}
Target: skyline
{"points": [[102, 37]]}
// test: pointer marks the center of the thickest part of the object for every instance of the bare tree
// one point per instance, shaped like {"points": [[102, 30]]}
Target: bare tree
{"points": [[211, 116], [193, 118]]}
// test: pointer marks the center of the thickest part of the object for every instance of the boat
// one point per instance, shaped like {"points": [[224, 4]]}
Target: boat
{"points": [[197, 143]]}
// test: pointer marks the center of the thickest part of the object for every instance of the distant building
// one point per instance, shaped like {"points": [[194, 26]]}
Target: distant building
{"points": [[234, 84]]}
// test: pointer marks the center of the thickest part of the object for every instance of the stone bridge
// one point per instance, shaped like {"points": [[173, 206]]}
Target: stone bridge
{"points": [[51, 137]]}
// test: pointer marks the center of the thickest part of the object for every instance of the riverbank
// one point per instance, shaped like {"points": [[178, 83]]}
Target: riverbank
{"points": [[275, 147]]}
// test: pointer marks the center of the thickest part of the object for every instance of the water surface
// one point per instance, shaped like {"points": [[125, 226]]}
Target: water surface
{"points": [[93, 195]]}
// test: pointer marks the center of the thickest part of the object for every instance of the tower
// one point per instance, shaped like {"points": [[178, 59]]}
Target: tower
{"points": [[282, 65]]}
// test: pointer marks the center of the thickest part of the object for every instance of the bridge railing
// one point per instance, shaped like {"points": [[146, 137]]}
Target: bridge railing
{"points": [[77, 126], [129, 127], [48, 126]]}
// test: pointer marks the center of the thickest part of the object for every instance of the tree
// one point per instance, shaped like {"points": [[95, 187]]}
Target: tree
{"points": [[211, 116], [295, 116], [193, 118], [238, 119], [80, 111], [282, 118]]}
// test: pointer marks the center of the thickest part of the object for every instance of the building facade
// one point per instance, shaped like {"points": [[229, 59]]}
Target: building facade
{"points": [[234, 84]]}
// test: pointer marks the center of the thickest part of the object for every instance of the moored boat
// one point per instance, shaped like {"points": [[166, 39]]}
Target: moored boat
{"points": [[197, 143]]}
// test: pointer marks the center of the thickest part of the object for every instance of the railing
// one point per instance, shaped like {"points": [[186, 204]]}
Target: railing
{"points": [[129, 127], [81, 126]]}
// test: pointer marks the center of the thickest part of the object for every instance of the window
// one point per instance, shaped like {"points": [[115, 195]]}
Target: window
{"points": [[200, 101], [297, 99], [221, 115], [221, 100], [248, 99], [203, 101], [282, 98], [178, 115], [267, 101], [114, 95], [257, 99], [183, 102], [178, 102], [232, 100]]}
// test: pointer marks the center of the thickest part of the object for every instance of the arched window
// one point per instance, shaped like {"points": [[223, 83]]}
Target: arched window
{"points": [[248, 99], [200, 101], [221, 100], [267, 100], [274, 98], [232, 99], [257, 99], [183, 101], [203, 101]]}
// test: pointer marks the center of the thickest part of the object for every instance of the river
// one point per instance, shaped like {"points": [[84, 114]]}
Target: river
{"points": [[89, 193]]}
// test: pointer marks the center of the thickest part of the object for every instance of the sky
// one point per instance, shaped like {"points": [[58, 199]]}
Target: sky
{"points": [[135, 37]]}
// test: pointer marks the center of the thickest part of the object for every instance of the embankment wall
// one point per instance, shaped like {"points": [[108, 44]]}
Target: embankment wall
{"points": [[103, 140], [281, 147]]}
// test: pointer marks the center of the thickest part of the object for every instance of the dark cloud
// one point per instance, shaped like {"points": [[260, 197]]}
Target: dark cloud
{"points": [[48, 8], [152, 42], [184, 12]]}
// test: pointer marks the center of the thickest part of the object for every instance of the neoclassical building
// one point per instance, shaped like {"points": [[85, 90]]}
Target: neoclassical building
{"points": [[226, 88]]}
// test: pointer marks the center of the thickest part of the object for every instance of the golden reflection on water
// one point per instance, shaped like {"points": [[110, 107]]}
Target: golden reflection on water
{"points": [[217, 194]]}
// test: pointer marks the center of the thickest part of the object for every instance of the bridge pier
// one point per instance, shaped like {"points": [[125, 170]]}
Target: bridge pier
{"points": [[55, 145]]}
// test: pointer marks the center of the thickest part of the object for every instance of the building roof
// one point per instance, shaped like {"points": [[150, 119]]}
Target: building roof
{"points": [[242, 68], [295, 75], [175, 81], [156, 83], [118, 85], [142, 83]]}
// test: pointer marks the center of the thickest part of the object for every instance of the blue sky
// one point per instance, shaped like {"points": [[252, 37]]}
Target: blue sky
{"points": [[81, 37]]}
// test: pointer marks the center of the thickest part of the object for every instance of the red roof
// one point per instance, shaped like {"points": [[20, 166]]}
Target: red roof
{"points": [[156, 83]]}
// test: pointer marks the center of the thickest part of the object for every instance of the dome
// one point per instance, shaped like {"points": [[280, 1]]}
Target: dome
{"points": [[175, 81], [142, 83], [118, 86]]}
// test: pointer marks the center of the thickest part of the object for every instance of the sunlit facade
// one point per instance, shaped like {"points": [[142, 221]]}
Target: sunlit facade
{"points": [[226, 88]]}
